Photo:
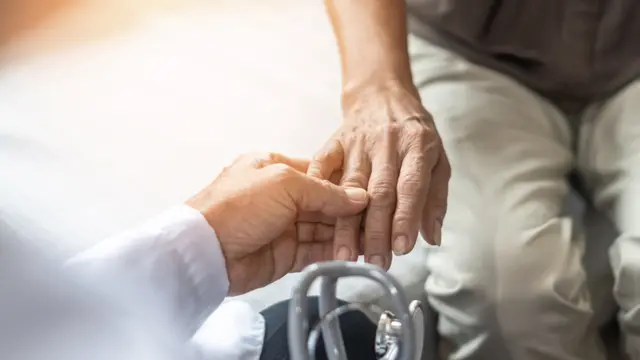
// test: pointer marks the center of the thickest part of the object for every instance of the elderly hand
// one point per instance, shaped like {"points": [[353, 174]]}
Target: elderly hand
{"points": [[388, 145], [254, 205]]}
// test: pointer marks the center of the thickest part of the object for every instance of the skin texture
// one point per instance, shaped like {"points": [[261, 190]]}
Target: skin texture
{"points": [[254, 206], [387, 143]]}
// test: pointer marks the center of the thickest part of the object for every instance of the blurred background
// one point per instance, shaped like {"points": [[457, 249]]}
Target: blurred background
{"points": [[112, 111]]}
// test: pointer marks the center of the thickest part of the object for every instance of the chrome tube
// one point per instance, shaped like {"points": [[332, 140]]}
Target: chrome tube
{"points": [[396, 339]]}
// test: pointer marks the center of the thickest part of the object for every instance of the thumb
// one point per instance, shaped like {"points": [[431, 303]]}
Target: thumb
{"points": [[315, 195]]}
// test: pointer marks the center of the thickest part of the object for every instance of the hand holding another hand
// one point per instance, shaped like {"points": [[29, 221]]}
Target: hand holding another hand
{"points": [[253, 206]]}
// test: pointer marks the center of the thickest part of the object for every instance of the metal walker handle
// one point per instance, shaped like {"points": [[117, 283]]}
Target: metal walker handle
{"points": [[400, 325]]}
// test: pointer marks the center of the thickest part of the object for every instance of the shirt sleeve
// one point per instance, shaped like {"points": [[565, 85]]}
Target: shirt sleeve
{"points": [[171, 270]]}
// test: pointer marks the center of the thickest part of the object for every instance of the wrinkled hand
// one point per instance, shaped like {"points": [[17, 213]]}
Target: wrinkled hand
{"points": [[254, 205], [388, 145]]}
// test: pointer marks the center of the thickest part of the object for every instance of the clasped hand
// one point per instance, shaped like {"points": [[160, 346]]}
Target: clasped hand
{"points": [[254, 205], [274, 215]]}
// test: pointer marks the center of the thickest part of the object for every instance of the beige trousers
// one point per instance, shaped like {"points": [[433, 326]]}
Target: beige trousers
{"points": [[509, 280]]}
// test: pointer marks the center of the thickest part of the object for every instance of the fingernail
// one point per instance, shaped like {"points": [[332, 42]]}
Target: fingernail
{"points": [[400, 245], [356, 194], [437, 232], [343, 254], [377, 260]]}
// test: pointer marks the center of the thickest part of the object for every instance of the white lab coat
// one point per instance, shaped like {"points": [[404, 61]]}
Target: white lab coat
{"points": [[154, 292]]}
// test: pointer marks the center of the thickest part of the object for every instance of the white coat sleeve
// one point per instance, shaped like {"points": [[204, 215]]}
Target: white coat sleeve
{"points": [[172, 272]]}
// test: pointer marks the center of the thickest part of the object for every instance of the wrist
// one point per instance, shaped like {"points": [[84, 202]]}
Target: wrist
{"points": [[378, 86], [377, 77], [213, 213]]}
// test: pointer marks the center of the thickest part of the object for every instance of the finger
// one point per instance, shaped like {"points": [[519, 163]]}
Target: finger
{"points": [[356, 172], [261, 160], [323, 233], [310, 253], [254, 159], [299, 164], [361, 242], [283, 253], [412, 189], [274, 158], [305, 231], [316, 217], [336, 176], [288, 254], [314, 195], [436, 204], [346, 238], [328, 160], [314, 232], [382, 205]]}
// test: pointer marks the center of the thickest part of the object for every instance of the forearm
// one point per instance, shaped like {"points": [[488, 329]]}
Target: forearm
{"points": [[372, 40]]}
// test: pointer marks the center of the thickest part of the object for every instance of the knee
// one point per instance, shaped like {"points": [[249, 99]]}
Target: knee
{"points": [[625, 261], [506, 273], [463, 282]]}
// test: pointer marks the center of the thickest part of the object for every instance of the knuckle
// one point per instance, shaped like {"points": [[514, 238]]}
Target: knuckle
{"points": [[382, 195], [420, 136], [390, 128], [385, 172], [375, 240], [427, 136], [401, 221], [253, 160], [410, 184], [402, 218], [350, 135], [416, 165], [417, 129], [362, 166], [356, 179], [407, 206], [426, 147], [282, 171], [262, 156], [385, 176], [257, 159], [272, 157], [346, 232], [374, 235]]}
